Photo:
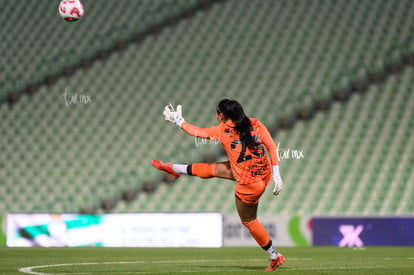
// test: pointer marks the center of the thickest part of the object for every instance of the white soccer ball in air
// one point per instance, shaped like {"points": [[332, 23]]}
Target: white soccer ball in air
{"points": [[71, 10]]}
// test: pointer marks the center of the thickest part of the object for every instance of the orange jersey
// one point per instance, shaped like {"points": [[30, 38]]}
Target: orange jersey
{"points": [[247, 165]]}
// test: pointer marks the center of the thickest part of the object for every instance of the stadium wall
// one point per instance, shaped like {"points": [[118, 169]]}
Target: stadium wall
{"points": [[201, 230], [150, 230]]}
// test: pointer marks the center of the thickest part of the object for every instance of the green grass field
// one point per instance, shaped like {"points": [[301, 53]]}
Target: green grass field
{"points": [[252, 260]]}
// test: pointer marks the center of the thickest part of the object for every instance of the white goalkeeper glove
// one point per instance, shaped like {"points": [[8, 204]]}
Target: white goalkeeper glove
{"points": [[277, 179], [172, 115]]}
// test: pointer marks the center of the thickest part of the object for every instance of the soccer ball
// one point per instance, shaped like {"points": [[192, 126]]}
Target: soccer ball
{"points": [[71, 10]]}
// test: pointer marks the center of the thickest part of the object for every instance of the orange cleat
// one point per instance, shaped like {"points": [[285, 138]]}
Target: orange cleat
{"points": [[165, 167], [276, 262]]}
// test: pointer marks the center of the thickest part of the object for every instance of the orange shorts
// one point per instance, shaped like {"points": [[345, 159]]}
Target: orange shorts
{"points": [[250, 193]]}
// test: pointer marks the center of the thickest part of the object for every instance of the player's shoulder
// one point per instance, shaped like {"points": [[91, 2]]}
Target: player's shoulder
{"points": [[255, 122]]}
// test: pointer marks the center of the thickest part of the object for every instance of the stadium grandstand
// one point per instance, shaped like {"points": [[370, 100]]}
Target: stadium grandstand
{"points": [[81, 103]]}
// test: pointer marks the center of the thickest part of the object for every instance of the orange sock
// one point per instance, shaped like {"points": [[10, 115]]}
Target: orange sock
{"points": [[258, 232], [203, 170]]}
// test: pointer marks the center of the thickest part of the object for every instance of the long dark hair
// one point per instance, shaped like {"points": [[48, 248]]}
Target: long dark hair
{"points": [[233, 110]]}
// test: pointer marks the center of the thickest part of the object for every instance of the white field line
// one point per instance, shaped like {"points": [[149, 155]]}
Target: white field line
{"points": [[31, 269]]}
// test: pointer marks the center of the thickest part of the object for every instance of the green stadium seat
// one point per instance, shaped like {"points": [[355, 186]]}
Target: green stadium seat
{"points": [[301, 55]]}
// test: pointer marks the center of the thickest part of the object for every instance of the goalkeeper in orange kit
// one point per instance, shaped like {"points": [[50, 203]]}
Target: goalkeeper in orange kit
{"points": [[244, 140]]}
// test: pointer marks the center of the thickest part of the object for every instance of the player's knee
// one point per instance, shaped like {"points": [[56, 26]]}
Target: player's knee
{"points": [[223, 170], [248, 223]]}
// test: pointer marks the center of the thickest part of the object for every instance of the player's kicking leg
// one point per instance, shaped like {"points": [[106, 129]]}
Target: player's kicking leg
{"points": [[202, 170]]}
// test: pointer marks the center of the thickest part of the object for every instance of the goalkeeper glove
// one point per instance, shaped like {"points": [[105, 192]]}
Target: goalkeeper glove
{"points": [[277, 179], [172, 115]]}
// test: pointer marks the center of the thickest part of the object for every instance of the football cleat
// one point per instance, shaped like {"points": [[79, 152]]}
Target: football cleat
{"points": [[276, 262], [166, 167]]}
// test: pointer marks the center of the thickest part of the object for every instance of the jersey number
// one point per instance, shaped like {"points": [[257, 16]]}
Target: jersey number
{"points": [[242, 156]]}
